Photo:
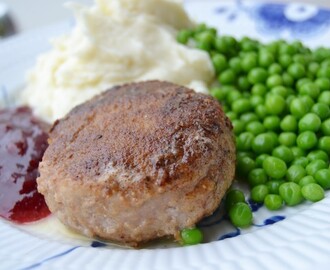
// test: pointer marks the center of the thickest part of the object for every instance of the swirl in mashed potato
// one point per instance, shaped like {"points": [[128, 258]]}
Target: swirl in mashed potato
{"points": [[115, 42]]}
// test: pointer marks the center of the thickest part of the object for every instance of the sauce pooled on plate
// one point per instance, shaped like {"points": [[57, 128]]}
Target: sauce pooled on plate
{"points": [[23, 141]]}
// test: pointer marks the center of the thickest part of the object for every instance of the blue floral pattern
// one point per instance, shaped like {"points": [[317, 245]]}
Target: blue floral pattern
{"points": [[298, 20], [94, 244], [221, 217]]}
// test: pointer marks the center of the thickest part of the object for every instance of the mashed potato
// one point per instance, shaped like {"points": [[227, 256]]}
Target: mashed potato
{"points": [[115, 42]]}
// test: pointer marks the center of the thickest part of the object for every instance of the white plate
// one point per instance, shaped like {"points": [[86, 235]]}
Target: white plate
{"points": [[301, 239]]}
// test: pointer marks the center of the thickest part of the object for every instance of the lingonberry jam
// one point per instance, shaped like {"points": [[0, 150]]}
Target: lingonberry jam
{"points": [[23, 141]]}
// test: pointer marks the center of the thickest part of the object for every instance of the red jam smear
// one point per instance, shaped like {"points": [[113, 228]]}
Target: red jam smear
{"points": [[23, 141]]}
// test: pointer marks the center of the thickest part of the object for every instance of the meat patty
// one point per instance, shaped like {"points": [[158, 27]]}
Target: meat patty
{"points": [[138, 162]]}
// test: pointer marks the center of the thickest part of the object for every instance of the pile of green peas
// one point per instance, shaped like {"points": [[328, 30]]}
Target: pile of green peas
{"points": [[277, 96]]}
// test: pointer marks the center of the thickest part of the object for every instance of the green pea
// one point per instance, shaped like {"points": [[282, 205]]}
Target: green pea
{"points": [[233, 95], [235, 65], [234, 196], [297, 45], [274, 185], [238, 126], [291, 193], [325, 63], [290, 96], [302, 81], [249, 62], [287, 139], [218, 93], [258, 193], [191, 236], [204, 45], [263, 143], [279, 90], [315, 166], [231, 115], [261, 111], [255, 127], [244, 141], [221, 45], [257, 75], [307, 101], [310, 122], [323, 83], [275, 68], [240, 215], [242, 105], [318, 155], [245, 165], [325, 127], [249, 117], [230, 41], [225, 108], [274, 80], [256, 100], [243, 83], [241, 154], [324, 144], [289, 123], [297, 152], [285, 60], [272, 122], [299, 58], [271, 47], [284, 153], [295, 173], [227, 77], [200, 28], [275, 167], [183, 36], [287, 79], [249, 45], [322, 110], [275, 104], [302, 161], [324, 97], [274, 137], [286, 48], [260, 159], [312, 192], [257, 176], [273, 201], [296, 70], [306, 180], [259, 89], [320, 54], [219, 62], [306, 140], [313, 67], [266, 59], [322, 177], [310, 89], [323, 72], [298, 108]]}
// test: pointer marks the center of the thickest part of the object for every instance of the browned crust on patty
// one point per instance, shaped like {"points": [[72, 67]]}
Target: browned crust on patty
{"points": [[134, 144]]}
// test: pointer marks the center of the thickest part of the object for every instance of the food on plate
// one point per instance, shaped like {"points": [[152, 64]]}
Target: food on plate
{"points": [[23, 140], [277, 96], [138, 162], [115, 42]]}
